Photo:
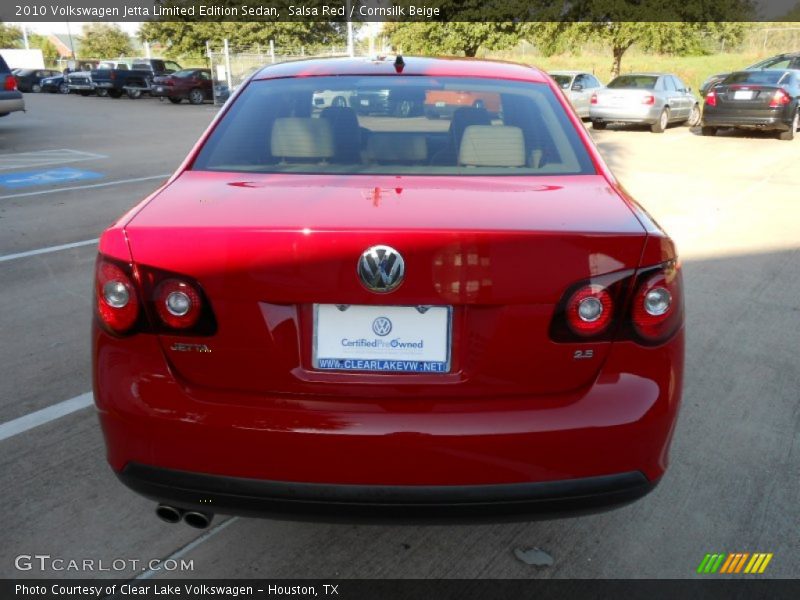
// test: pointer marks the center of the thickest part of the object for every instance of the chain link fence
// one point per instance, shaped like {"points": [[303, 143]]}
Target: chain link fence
{"points": [[231, 66]]}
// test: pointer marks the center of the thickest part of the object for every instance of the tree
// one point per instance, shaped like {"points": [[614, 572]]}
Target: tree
{"points": [[451, 38], [104, 40], [48, 48], [10, 36]]}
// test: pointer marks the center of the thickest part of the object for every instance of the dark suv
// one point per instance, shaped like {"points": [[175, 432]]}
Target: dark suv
{"points": [[10, 97], [787, 60]]}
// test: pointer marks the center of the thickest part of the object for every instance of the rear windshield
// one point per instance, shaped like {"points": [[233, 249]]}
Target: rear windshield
{"points": [[396, 125], [756, 77], [562, 80], [638, 82]]}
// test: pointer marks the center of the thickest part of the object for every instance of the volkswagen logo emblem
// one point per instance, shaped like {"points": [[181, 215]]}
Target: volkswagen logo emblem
{"points": [[381, 269], [382, 326]]}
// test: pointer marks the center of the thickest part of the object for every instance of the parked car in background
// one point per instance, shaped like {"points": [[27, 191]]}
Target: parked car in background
{"points": [[55, 84], [399, 102], [11, 99], [578, 86], [787, 60], [194, 85], [30, 80], [133, 80], [762, 100], [356, 330], [338, 98], [655, 99], [443, 103]]}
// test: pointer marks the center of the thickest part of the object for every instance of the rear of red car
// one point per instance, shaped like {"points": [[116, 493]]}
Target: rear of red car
{"points": [[374, 314]]}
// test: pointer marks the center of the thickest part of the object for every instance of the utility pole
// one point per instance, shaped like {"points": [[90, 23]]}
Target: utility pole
{"points": [[350, 46]]}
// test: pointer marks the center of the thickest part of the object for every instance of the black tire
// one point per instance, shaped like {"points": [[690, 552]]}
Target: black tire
{"points": [[196, 96], [36, 88], [339, 101], [133, 94], [63, 88], [114, 94], [788, 136], [101, 92], [175, 100], [599, 125], [85, 93], [694, 116], [708, 131], [661, 124]]}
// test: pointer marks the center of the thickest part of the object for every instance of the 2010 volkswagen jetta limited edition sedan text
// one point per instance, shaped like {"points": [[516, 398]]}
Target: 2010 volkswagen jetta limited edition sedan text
{"points": [[369, 315]]}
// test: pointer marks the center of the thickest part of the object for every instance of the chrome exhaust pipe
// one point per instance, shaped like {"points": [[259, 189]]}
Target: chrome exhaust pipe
{"points": [[197, 519], [169, 514]]}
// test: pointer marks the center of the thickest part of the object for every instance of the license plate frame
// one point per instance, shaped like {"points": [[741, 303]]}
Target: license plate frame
{"points": [[435, 359]]}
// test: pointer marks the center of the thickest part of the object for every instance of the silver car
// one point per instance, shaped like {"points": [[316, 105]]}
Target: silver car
{"points": [[655, 99], [578, 87]]}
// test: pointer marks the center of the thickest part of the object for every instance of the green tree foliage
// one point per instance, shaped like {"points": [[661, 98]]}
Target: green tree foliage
{"points": [[48, 48], [433, 38], [189, 38], [10, 36], [104, 40]]}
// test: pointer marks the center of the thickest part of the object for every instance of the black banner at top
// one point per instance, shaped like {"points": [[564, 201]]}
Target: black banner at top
{"points": [[400, 10]]}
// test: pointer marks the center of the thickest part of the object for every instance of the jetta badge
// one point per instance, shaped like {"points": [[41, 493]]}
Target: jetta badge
{"points": [[381, 269]]}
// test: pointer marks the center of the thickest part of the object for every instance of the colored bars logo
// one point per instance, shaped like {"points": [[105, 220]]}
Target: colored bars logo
{"points": [[736, 562]]}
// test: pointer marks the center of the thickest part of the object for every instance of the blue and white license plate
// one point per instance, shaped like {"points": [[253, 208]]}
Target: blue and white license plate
{"points": [[402, 339]]}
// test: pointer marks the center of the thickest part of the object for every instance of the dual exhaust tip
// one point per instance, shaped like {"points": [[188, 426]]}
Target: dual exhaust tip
{"points": [[193, 518]]}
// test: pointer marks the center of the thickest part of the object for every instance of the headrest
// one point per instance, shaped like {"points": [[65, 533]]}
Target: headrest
{"points": [[492, 146], [300, 137]]}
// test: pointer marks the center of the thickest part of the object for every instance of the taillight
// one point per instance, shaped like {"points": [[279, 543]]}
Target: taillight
{"points": [[779, 99], [589, 310], [178, 304], [649, 99], [116, 301], [10, 84], [657, 309], [593, 99], [645, 306], [711, 98]]}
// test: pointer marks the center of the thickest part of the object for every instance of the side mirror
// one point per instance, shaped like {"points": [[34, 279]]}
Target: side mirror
{"points": [[577, 87]]}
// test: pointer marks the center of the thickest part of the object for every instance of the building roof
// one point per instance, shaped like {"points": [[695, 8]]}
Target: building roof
{"points": [[441, 67]]}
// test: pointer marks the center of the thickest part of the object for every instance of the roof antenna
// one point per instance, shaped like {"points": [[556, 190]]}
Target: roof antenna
{"points": [[399, 63]]}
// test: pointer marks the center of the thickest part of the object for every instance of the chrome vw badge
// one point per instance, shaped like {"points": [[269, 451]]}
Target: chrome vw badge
{"points": [[381, 269]]}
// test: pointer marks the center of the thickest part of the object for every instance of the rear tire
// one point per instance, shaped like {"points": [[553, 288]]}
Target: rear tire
{"points": [[708, 131], [660, 125], [599, 125], [175, 100], [102, 92], [63, 88], [694, 117], [788, 136], [133, 94], [36, 88], [196, 96]]}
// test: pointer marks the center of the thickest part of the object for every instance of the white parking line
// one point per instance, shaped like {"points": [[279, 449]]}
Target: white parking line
{"points": [[22, 160], [181, 552], [47, 250], [45, 415], [85, 187]]}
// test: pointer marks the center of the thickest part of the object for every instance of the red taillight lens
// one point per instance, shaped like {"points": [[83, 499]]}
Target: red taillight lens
{"points": [[589, 310], [779, 99], [116, 301], [658, 304], [649, 99], [11, 83], [711, 98], [178, 304], [593, 99]]}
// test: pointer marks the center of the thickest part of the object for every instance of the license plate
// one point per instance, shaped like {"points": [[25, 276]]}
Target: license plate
{"points": [[365, 103], [742, 95], [159, 89], [401, 339]]}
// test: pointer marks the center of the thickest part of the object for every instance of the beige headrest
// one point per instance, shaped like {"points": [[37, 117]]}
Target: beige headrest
{"points": [[297, 137], [383, 147], [492, 146]]}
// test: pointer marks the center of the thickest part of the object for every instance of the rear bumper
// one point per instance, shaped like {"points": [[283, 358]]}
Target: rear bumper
{"points": [[645, 114], [758, 121], [11, 102], [253, 497]]}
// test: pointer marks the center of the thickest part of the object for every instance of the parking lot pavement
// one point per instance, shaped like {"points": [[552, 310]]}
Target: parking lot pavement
{"points": [[730, 202]]}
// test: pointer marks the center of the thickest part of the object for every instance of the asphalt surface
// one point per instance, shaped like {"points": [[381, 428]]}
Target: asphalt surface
{"points": [[731, 204]]}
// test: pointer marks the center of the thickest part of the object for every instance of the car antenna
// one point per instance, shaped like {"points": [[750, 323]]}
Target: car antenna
{"points": [[399, 63]]}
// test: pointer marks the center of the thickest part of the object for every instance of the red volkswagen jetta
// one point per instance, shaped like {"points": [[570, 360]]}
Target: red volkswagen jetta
{"points": [[383, 313]]}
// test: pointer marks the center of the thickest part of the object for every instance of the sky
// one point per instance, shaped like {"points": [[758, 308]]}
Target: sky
{"points": [[76, 27]]}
